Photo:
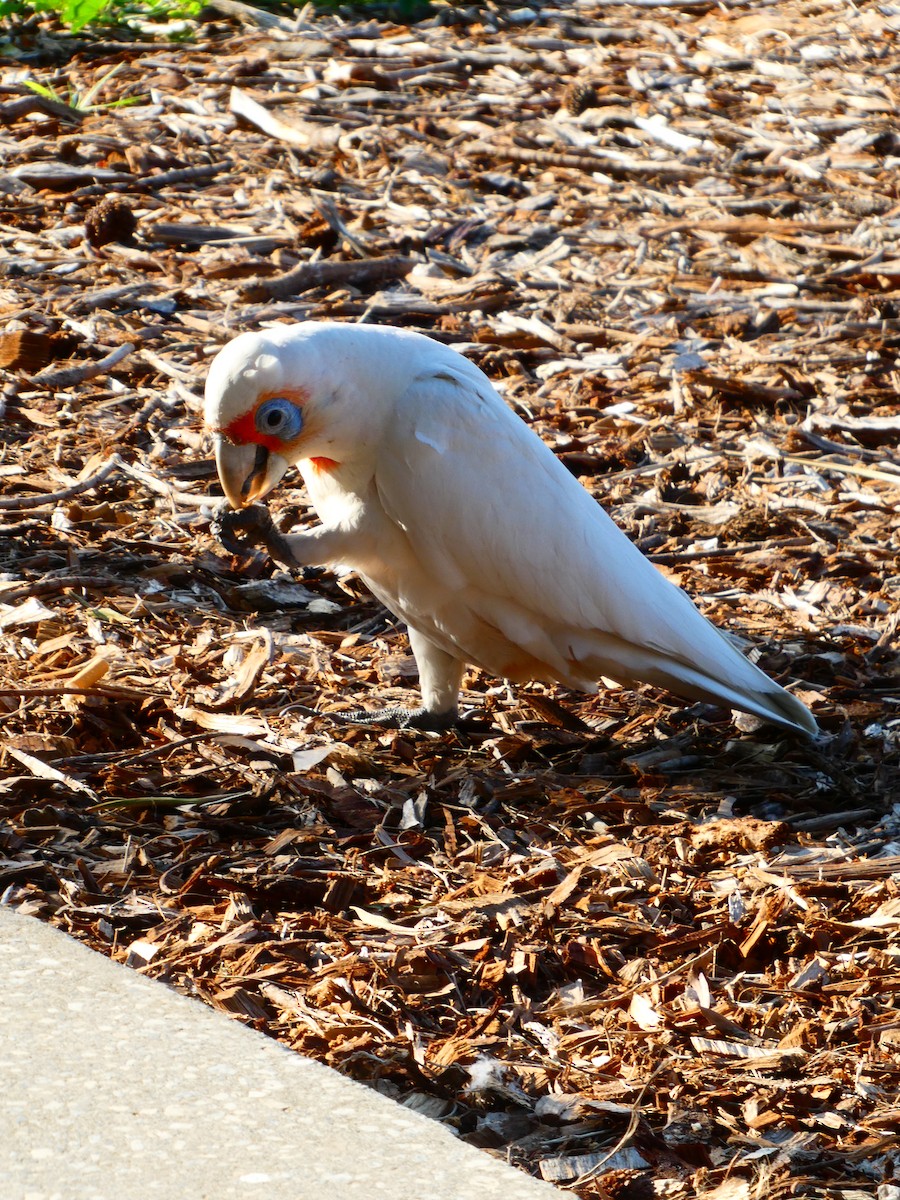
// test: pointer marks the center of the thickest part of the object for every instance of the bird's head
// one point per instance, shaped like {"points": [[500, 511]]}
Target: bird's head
{"points": [[264, 407]]}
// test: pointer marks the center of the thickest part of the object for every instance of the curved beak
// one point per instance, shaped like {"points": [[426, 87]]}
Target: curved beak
{"points": [[247, 472]]}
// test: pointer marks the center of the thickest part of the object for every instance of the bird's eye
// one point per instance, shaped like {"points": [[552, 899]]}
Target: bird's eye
{"points": [[279, 418]]}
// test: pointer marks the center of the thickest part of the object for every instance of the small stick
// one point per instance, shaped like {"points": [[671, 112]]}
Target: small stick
{"points": [[175, 495], [71, 376], [313, 137], [48, 584], [84, 485], [824, 465], [121, 756], [310, 275], [109, 690], [142, 417], [619, 166], [14, 110], [151, 183]]}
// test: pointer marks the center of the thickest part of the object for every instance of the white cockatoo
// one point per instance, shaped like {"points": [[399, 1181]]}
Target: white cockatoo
{"points": [[461, 521]]}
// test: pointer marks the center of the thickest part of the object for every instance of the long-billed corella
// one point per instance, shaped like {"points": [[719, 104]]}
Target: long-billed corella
{"points": [[461, 521]]}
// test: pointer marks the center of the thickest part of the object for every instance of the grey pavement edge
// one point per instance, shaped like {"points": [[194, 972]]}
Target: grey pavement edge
{"points": [[114, 1087]]}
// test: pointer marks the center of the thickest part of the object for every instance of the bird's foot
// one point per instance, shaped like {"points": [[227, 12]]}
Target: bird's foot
{"points": [[401, 718], [258, 528]]}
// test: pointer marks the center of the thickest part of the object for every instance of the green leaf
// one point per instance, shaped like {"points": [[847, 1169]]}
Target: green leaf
{"points": [[78, 13], [40, 89], [87, 100]]}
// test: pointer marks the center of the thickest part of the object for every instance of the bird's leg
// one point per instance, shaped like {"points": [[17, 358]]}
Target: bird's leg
{"points": [[258, 528], [440, 674], [399, 718], [317, 547], [440, 677]]}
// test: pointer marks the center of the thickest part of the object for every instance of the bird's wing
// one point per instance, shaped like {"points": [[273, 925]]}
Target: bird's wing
{"points": [[486, 505], [500, 525]]}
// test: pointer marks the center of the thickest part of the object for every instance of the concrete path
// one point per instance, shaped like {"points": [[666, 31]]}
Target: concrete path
{"points": [[114, 1087]]}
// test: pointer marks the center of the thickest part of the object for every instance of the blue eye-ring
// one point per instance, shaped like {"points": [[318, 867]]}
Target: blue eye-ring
{"points": [[279, 418]]}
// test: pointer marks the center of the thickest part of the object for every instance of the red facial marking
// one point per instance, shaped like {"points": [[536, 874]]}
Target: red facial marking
{"points": [[324, 464], [242, 429]]}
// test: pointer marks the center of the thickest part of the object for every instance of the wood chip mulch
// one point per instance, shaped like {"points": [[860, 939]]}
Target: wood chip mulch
{"points": [[630, 947]]}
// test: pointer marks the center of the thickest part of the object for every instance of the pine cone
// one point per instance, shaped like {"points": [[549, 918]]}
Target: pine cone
{"points": [[109, 221], [579, 96]]}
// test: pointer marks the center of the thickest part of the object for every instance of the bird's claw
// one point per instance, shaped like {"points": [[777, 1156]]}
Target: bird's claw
{"points": [[256, 525], [401, 718]]}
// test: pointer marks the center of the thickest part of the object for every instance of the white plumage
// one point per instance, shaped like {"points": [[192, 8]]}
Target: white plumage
{"points": [[461, 520]]}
